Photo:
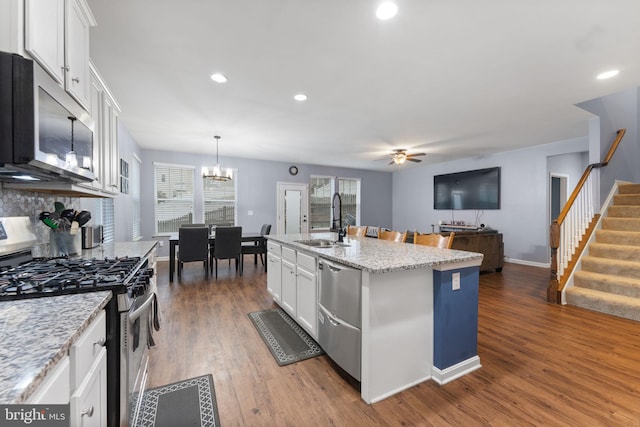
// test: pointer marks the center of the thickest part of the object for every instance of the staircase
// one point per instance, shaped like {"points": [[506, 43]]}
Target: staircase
{"points": [[609, 281]]}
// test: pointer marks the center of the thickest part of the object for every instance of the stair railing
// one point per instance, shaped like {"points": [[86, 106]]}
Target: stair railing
{"points": [[576, 220]]}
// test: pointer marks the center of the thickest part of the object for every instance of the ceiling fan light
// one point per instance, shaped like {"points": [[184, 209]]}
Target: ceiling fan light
{"points": [[399, 158]]}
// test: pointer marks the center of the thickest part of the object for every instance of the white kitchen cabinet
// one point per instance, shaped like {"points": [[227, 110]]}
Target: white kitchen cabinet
{"points": [[89, 401], [54, 390], [289, 299], [306, 293], [274, 271], [104, 111], [44, 35], [56, 35]]}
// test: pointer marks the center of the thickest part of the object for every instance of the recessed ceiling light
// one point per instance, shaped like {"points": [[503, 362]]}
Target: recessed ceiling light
{"points": [[218, 78], [386, 10], [608, 74], [300, 97]]}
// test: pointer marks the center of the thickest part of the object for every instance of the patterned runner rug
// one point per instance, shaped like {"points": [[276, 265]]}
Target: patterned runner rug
{"points": [[190, 402], [288, 342]]}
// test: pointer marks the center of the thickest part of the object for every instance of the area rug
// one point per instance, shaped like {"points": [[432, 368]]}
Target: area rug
{"points": [[288, 342], [190, 402]]}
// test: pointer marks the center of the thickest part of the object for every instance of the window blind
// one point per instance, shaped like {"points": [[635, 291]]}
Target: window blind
{"points": [[134, 181], [219, 200], [108, 220], [174, 196]]}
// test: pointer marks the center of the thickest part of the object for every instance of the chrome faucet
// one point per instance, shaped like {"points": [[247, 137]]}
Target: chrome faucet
{"points": [[336, 223]]}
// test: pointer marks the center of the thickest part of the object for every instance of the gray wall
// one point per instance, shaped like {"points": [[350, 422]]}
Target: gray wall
{"points": [[615, 111], [523, 216], [256, 180]]}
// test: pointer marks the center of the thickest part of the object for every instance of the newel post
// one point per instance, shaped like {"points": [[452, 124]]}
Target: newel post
{"points": [[554, 243]]}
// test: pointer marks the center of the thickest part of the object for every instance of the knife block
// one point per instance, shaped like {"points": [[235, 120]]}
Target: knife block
{"points": [[63, 243]]}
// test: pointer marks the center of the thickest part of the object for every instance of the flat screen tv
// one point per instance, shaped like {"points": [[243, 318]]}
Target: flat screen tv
{"points": [[476, 190]]}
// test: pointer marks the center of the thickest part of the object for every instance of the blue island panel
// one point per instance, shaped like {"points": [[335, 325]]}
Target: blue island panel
{"points": [[455, 317]]}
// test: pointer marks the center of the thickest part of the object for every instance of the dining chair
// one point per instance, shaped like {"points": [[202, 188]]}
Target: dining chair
{"points": [[194, 225], [193, 245], [434, 239], [258, 248], [392, 236], [359, 231], [228, 245]]}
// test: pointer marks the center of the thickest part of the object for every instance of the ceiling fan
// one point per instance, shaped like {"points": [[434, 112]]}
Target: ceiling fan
{"points": [[399, 156]]}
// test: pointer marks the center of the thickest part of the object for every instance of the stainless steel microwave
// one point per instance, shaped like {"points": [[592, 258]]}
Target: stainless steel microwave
{"points": [[44, 134]]}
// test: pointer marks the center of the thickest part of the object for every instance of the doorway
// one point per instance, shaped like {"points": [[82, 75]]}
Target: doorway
{"points": [[293, 208], [557, 195]]}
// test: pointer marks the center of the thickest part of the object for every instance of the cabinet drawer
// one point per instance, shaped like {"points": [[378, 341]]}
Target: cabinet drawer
{"points": [[86, 348], [307, 262], [289, 254], [273, 247]]}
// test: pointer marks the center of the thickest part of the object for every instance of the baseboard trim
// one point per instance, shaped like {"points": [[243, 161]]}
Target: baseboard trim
{"points": [[529, 263], [444, 376]]}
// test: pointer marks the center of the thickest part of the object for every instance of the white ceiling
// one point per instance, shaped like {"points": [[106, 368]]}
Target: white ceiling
{"points": [[450, 78]]}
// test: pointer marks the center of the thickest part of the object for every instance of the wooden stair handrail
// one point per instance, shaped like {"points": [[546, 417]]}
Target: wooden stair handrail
{"points": [[556, 285], [586, 174]]}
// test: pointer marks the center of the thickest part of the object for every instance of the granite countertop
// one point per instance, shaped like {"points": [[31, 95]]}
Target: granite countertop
{"points": [[36, 334], [379, 256], [133, 249]]}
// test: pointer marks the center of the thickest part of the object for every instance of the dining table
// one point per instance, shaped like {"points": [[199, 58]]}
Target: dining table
{"points": [[252, 236]]}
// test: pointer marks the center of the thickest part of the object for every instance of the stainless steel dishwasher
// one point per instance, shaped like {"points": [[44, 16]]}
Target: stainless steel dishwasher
{"points": [[339, 315]]}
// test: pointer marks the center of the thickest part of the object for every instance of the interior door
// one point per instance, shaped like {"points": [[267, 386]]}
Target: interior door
{"points": [[293, 208]]}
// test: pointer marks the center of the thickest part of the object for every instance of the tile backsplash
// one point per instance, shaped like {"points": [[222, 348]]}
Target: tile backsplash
{"points": [[27, 203]]}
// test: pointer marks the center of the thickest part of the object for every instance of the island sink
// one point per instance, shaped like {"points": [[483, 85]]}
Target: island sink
{"points": [[322, 243]]}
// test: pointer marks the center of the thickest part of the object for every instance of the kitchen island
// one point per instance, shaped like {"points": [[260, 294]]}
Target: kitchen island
{"points": [[419, 305]]}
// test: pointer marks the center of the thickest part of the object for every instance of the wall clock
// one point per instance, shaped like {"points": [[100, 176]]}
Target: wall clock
{"points": [[293, 170]]}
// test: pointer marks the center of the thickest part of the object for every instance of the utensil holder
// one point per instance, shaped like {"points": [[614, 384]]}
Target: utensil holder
{"points": [[63, 243]]}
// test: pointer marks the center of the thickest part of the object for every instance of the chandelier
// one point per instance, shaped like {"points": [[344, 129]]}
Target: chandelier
{"points": [[215, 173]]}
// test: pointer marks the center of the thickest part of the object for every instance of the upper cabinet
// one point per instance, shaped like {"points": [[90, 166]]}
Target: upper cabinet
{"points": [[57, 36]]}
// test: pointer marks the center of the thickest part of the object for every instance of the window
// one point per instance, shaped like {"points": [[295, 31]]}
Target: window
{"points": [[349, 189], [135, 197], [322, 188], [174, 196], [219, 199], [108, 220]]}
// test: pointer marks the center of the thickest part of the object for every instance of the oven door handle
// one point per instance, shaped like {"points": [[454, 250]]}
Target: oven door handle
{"points": [[138, 311]]}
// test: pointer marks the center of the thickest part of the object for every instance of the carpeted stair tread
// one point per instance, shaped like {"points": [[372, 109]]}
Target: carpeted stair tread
{"points": [[612, 251], [626, 200], [626, 286], [618, 237], [629, 189], [611, 266], [624, 211], [616, 305], [621, 224]]}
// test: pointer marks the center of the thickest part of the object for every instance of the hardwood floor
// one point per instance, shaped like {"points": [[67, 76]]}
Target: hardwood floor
{"points": [[542, 364]]}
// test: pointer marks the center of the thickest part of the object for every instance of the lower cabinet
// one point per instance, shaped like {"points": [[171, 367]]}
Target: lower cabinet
{"points": [[294, 274], [274, 271], [89, 400], [80, 378]]}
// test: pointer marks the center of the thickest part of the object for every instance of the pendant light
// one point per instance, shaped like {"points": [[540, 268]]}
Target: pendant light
{"points": [[71, 159], [215, 173]]}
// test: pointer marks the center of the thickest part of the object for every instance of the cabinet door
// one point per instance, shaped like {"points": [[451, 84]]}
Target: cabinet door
{"points": [[110, 162], [95, 104], [89, 401], [55, 388], [274, 276], [307, 315], [289, 287], [77, 60], [44, 35]]}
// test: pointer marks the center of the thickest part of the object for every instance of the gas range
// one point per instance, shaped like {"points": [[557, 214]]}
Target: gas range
{"points": [[61, 276]]}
